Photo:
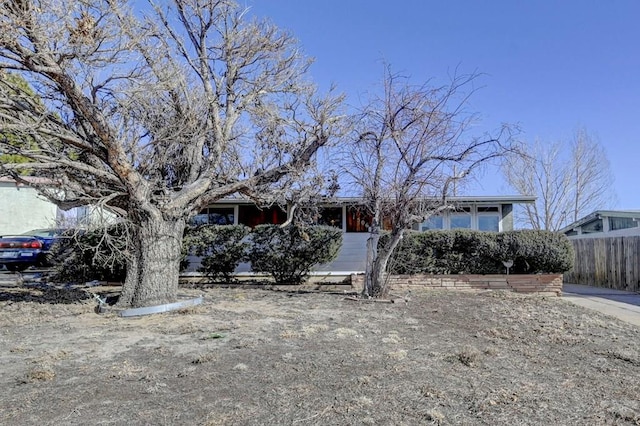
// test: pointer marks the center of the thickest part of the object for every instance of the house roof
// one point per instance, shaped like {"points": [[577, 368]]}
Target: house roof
{"points": [[634, 214], [493, 199]]}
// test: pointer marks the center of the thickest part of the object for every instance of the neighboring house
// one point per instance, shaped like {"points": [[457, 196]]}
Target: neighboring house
{"points": [[22, 209], [489, 213], [607, 250], [605, 223]]}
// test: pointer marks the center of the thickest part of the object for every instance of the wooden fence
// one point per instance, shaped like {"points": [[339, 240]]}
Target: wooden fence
{"points": [[612, 262]]}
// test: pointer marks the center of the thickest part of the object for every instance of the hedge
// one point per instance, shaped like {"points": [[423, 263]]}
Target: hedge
{"points": [[478, 252], [288, 253], [222, 248]]}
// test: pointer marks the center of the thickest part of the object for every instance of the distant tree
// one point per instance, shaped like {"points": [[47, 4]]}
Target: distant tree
{"points": [[155, 110], [412, 147], [569, 178], [14, 142]]}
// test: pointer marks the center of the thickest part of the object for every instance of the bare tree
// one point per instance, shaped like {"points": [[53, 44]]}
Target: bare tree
{"points": [[569, 179], [412, 146], [155, 110]]}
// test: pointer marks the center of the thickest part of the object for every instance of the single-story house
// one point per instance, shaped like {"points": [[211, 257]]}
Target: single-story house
{"points": [[484, 213], [605, 223], [23, 209]]}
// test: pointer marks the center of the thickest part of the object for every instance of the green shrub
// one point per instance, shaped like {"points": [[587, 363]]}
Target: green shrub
{"points": [[96, 254], [288, 253], [475, 252], [535, 252], [222, 248]]}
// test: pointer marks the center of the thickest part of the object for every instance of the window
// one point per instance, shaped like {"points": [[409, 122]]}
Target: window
{"points": [[461, 219], [331, 216], [488, 209], [434, 222], [489, 223], [221, 216], [201, 218], [616, 223], [357, 219], [251, 215], [593, 226], [214, 216], [488, 218]]}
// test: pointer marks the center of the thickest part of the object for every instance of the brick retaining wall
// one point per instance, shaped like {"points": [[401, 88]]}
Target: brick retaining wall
{"points": [[544, 284]]}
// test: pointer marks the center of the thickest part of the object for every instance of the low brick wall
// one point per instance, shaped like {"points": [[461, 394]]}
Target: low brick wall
{"points": [[544, 284]]}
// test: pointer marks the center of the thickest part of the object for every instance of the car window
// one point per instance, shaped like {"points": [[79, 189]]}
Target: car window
{"points": [[42, 232]]}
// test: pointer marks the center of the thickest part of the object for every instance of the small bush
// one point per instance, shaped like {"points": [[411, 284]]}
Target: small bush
{"points": [[476, 252], [288, 253], [222, 248]]}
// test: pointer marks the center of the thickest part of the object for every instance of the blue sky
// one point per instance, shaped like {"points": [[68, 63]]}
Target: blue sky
{"points": [[549, 66]]}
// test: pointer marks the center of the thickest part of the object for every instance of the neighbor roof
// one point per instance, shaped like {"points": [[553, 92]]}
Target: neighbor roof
{"points": [[600, 214]]}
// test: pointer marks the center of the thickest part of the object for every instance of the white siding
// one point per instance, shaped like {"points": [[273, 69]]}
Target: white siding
{"points": [[351, 258], [22, 209]]}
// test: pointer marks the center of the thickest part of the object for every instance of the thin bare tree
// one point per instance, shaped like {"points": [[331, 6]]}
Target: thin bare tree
{"points": [[155, 110], [412, 146], [569, 178]]}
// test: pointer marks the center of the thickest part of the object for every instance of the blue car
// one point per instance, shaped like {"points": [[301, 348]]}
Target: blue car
{"points": [[18, 252]]}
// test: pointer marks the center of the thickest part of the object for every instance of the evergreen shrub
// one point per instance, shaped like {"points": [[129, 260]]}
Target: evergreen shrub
{"points": [[289, 253], [222, 248], [478, 252]]}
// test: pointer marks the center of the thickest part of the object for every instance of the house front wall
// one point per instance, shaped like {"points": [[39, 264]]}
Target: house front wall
{"points": [[353, 223], [22, 209]]}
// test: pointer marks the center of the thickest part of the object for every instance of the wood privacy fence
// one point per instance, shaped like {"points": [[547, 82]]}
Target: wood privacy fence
{"points": [[612, 262]]}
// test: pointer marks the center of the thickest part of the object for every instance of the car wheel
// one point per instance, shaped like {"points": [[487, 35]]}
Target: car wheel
{"points": [[16, 267]]}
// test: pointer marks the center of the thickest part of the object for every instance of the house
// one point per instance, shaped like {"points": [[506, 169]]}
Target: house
{"points": [[22, 209], [606, 244], [484, 213], [605, 223]]}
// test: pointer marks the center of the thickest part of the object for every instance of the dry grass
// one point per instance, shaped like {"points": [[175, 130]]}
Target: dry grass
{"points": [[254, 357]]}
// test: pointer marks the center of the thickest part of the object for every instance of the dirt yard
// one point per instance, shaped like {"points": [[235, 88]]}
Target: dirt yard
{"points": [[259, 357]]}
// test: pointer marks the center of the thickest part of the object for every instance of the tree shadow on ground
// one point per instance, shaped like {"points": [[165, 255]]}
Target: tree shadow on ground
{"points": [[44, 294]]}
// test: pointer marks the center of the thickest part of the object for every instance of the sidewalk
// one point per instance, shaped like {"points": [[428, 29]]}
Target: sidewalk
{"points": [[620, 304]]}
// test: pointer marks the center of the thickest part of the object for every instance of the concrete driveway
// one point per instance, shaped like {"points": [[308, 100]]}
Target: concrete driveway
{"points": [[623, 305]]}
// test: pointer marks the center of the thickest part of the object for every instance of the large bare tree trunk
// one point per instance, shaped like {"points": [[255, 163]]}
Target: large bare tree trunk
{"points": [[198, 103], [375, 283], [154, 266], [372, 255]]}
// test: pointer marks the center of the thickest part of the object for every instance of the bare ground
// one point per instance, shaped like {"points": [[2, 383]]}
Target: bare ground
{"points": [[259, 357]]}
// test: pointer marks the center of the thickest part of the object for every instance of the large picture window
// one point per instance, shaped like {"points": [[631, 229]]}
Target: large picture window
{"points": [[488, 218], [252, 216], [460, 219], [214, 216], [434, 222], [489, 222]]}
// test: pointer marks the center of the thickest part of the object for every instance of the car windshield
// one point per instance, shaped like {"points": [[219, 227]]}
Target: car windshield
{"points": [[43, 232]]}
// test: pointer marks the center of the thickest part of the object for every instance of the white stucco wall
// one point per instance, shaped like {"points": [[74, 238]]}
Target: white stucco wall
{"points": [[22, 209]]}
